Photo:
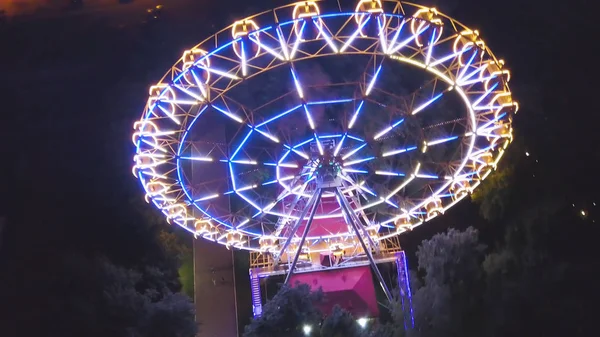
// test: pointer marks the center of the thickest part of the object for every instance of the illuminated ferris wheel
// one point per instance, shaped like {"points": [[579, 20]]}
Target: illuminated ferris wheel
{"points": [[301, 131]]}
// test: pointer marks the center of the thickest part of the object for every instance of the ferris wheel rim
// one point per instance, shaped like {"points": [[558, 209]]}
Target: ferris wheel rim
{"points": [[189, 125]]}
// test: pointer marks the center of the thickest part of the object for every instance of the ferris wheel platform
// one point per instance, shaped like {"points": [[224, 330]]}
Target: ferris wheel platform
{"points": [[348, 283], [321, 265]]}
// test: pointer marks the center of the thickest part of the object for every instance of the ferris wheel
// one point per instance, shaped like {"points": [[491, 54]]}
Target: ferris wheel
{"points": [[303, 131]]}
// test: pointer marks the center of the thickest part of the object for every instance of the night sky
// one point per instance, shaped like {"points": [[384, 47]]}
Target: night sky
{"points": [[71, 86]]}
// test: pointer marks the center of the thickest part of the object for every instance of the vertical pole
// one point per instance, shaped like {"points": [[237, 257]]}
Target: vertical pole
{"points": [[235, 299], [346, 209], [356, 220], [306, 228]]}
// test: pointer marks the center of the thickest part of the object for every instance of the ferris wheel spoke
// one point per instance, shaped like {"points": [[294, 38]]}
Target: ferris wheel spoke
{"points": [[278, 116], [452, 56], [358, 161], [430, 47], [381, 24], [197, 158], [355, 115], [388, 129], [350, 170], [354, 151], [298, 40], [267, 135], [394, 48], [389, 173], [221, 73], [400, 187], [441, 141], [398, 151], [320, 26], [355, 34], [391, 43], [228, 114], [373, 80], [418, 174], [297, 83], [309, 118], [270, 50], [429, 102]]}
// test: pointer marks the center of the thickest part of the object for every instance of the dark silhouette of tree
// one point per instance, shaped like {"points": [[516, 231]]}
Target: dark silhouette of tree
{"points": [[287, 313], [340, 323], [448, 301]]}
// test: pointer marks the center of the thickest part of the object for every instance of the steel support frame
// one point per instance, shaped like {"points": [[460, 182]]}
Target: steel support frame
{"points": [[318, 194], [346, 208], [308, 205]]}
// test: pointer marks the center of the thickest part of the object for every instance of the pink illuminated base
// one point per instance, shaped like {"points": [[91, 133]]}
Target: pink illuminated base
{"points": [[351, 288]]}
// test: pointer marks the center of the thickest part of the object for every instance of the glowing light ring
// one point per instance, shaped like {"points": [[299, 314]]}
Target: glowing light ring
{"points": [[203, 76]]}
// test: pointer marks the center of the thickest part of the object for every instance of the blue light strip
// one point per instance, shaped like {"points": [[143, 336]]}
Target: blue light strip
{"points": [[373, 80], [303, 143], [330, 136], [397, 34], [227, 113], [349, 154], [279, 116], [480, 99], [241, 145], [429, 176], [466, 67], [297, 83], [356, 138], [356, 171], [451, 56], [335, 101], [486, 125], [339, 145], [440, 141], [311, 123], [355, 116], [430, 49]]}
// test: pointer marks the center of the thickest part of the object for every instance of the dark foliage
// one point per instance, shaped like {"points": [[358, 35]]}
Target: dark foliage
{"points": [[287, 313], [340, 323]]}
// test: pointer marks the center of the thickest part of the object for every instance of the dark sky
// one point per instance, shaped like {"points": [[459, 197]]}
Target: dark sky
{"points": [[72, 85]]}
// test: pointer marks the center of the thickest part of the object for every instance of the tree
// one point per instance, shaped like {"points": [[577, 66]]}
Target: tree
{"points": [[340, 323], [493, 196], [287, 313], [448, 302]]}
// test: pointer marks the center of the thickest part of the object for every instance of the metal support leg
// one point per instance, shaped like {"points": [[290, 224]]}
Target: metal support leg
{"points": [[308, 205], [356, 220], [308, 223], [354, 225]]}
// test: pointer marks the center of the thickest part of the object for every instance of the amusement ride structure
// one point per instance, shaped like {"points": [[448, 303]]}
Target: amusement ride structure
{"points": [[313, 137]]}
